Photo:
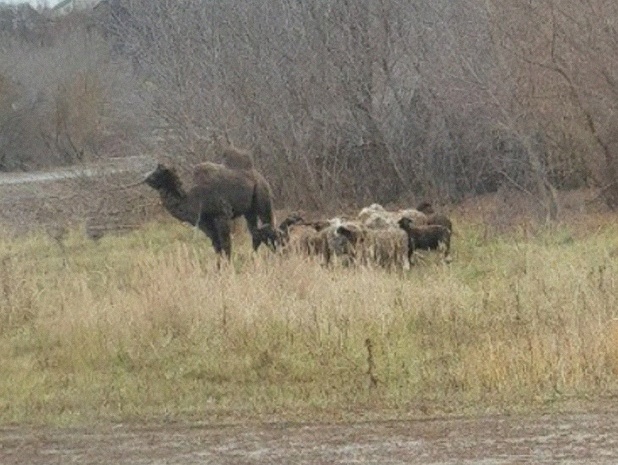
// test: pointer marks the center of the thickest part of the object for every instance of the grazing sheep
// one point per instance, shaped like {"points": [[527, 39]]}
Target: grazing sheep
{"points": [[303, 239], [282, 232], [293, 218], [378, 220], [269, 236], [426, 237], [387, 248], [366, 212], [280, 236], [309, 238], [319, 238], [337, 245], [376, 217], [417, 217], [433, 217]]}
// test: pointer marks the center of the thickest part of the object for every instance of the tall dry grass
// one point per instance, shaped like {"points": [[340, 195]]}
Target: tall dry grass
{"points": [[145, 326]]}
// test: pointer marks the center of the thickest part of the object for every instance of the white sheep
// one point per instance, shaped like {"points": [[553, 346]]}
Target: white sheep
{"points": [[386, 247], [376, 217]]}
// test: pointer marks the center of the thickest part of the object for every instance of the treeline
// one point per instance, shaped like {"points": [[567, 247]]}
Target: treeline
{"points": [[342, 102]]}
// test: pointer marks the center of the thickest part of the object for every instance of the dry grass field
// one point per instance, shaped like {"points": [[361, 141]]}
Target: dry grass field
{"points": [[144, 326]]}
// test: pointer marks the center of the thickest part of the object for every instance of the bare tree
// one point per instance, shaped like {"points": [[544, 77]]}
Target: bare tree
{"points": [[351, 102], [70, 101], [562, 57]]}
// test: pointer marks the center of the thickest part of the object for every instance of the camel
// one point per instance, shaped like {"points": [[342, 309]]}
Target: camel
{"points": [[238, 160], [219, 194]]}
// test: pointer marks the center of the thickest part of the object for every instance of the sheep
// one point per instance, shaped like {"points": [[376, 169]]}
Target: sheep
{"points": [[337, 245], [320, 238], [316, 238], [385, 242], [387, 248], [433, 217], [284, 226], [269, 236], [380, 220], [294, 234], [376, 217], [426, 237], [383, 247], [417, 217], [303, 239], [370, 210]]}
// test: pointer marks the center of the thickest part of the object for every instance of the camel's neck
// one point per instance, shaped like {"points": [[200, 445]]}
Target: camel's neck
{"points": [[175, 201]]}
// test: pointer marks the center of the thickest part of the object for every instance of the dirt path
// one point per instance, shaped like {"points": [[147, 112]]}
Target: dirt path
{"points": [[565, 439], [110, 166]]}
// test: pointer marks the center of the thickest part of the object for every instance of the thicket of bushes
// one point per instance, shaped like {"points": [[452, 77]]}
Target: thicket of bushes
{"points": [[342, 102]]}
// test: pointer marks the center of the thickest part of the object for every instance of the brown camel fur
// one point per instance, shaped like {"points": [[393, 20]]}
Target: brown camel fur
{"points": [[219, 195], [241, 161]]}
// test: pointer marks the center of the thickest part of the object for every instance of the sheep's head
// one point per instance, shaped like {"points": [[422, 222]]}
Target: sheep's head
{"points": [[405, 223], [294, 218], [268, 235], [352, 233], [319, 225], [162, 177]]}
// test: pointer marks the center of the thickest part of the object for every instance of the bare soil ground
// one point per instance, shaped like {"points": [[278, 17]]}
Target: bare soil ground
{"points": [[590, 438], [104, 196]]}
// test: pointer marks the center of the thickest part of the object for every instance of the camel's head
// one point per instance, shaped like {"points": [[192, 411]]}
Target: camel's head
{"points": [[162, 177]]}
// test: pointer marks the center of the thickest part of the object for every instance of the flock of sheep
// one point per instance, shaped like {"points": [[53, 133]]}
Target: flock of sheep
{"points": [[233, 188], [376, 237]]}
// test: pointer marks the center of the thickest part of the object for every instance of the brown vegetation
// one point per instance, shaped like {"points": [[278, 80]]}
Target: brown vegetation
{"points": [[356, 109]]}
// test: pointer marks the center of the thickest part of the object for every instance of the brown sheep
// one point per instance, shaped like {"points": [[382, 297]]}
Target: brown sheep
{"points": [[274, 238], [220, 195], [296, 235], [318, 238], [426, 237], [433, 217]]}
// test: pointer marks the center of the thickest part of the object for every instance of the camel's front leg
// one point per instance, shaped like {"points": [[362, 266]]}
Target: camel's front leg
{"points": [[208, 227]]}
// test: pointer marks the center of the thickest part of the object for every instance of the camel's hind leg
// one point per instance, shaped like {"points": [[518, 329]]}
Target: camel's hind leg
{"points": [[252, 221]]}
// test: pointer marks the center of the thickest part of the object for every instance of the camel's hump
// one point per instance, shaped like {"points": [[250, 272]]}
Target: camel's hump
{"points": [[209, 173], [237, 159], [202, 172]]}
